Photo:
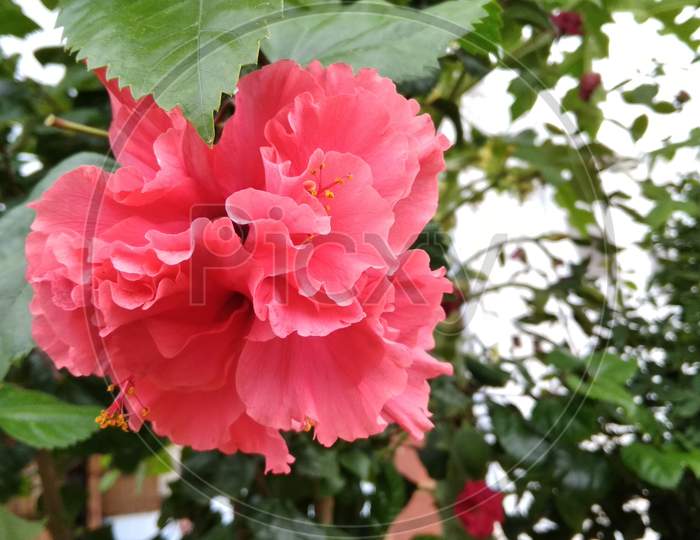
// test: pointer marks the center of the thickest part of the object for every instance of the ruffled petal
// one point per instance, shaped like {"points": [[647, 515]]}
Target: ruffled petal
{"points": [[410, 408], [354, 124], [248, 436], [339, 383], [261, 95], [136, 124], [418, 295]]}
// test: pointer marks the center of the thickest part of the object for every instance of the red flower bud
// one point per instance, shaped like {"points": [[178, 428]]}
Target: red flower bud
{"points": [[567, 23], [453, 302], [478, 507], [589, 83]]}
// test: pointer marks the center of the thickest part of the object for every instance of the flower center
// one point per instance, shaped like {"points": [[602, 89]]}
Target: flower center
{"points": [[315, 186]]}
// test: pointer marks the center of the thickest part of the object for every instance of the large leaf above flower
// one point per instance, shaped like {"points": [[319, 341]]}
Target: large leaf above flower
{"points": [[401, 43], [186, 53]]}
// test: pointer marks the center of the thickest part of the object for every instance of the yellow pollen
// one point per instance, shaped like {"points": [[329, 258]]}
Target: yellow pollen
{"points": [[339, 180], [110, 388], [106, 419], [308, 424], [145, 412], [329, 194], [349, 176]]}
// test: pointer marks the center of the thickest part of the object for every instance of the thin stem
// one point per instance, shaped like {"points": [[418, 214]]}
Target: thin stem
{"points": [[537, 240], [470, 297], [52, 496], [61, 123]]}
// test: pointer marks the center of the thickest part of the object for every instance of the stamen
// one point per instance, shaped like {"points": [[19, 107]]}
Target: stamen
{"points": [[116, 414], [311, 187], [108, 418], [329, 194], [308, 424]]}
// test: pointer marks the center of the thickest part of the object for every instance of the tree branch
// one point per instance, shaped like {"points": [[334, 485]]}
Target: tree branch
{"points": [[52, 496]]}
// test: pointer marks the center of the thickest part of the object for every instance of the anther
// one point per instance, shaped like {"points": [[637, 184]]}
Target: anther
{"points": [[329, 194], [311, 187], [308, 424]]}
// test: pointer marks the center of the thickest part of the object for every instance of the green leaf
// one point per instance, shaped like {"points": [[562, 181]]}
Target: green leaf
{"points": [[471, 451], [15, 528], [584, 472], [692, 461], [643, 94], [13, 22], [15, 293], [611, 367], [564, 419], [13, 459], [184, 53], [602, 390], [275, 519], [516, 437], [668, 150], [562, 360], [588, 115], [660, 468], [639, 126], [487, 374], [109, 478], [357, 462], [41, 420], [664, 107], [584, 478], [572, 508], [486, 36], [401, 43], [207, 474], [322, 464], [524, 90]]}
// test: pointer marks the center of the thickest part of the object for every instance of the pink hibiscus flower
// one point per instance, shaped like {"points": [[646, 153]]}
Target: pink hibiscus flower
{"points": [[260, 285]]}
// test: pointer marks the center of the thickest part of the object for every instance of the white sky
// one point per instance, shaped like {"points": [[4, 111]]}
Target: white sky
{"points": [[633, 49]]}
